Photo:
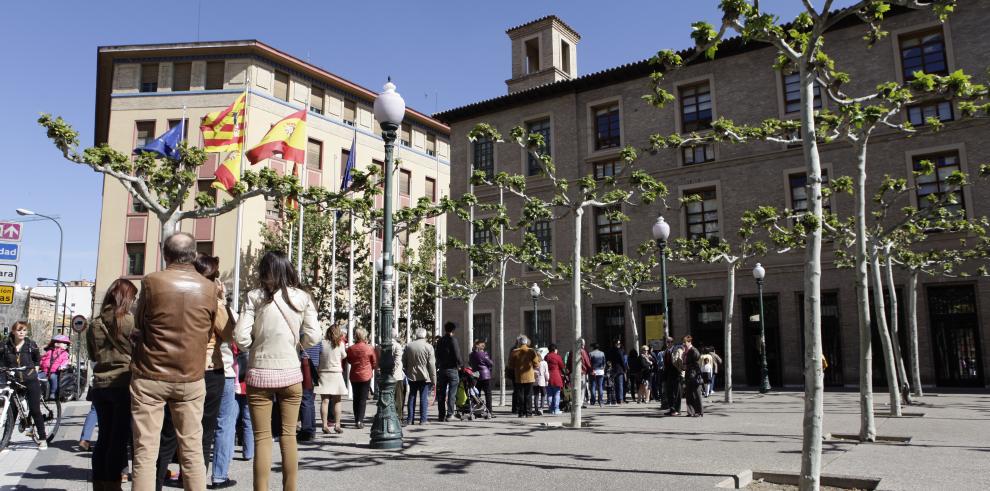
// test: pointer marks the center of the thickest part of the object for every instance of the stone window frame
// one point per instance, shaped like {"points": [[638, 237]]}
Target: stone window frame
{"points": [[676, 90], [960, 149], [527, 306], [782, 98], [786, 176], [593, 236], [701, 186], [489, 312], [527, 271], [473, 154], [534, 118], [895, 44], [591, 135]]}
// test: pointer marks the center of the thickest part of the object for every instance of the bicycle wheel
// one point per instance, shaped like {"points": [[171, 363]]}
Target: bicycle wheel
{"points": [[52, 412], [7, 424]]}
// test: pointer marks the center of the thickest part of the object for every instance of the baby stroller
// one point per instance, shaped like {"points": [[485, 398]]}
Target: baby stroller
{"points": [[470, 403]]}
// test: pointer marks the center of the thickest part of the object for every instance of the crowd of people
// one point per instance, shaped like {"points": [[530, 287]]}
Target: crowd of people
{"points": [[179, 377]]}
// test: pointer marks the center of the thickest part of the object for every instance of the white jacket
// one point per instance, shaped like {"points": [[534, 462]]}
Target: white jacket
{"points": [[262, 329]]}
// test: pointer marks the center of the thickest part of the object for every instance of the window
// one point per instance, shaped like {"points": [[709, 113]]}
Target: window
{"points": [[281, 88], [405, 135], [206, 186], [271, 208], [799, 191], [543, 231], [919, 115], [540, 331], [565, 56], [611, 168], [431, 144], [149, 77], [483, 328], [136, 207], [430, 191], [792, 93], [696, 107], [404, 182], [532, 55], [607, 127], [135, 259], [934, 185], [542, 127], [608, 230], [214, 75], [316, 98], [314, 154], [702, 215], [345, 155], [698, 154], [144, 132], [484, 156], [925, 52], [205, 248], [482, 235], [172, 123], [350, 111], [181, 76]]}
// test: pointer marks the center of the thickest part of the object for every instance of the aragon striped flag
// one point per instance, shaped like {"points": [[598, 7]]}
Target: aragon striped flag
{"points": [[287, 137], [224, 130], [229, 172]]}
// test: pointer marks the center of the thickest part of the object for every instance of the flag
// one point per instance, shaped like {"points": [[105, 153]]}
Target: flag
{"points": [[228, 174], [287, 137], [345, 179], [223, 131], [166, 145], [291, 203]]}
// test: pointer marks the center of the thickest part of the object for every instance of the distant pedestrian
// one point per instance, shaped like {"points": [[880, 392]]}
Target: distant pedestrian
{"points": [[673, 376], [692, 378], [277, 320], [597, 358], [645, 374], [656, 389], [363, 361], [586, 375], [555, 381], [619, 369], [634, 374], [307, 407], [482, 364], [540, 386], [716, 363], [707, 371], [449, 364], [332, 386], [54, 360], [524, 362], [243, 410], [419, 363]]}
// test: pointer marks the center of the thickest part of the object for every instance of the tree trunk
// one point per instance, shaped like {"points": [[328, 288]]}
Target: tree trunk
{"points": [[576, 374], [888, 354], [632, 316], [895, 341], [814, 383], [912, 315], [867, 421], [170, 225], [501, 329], [730, 294]]}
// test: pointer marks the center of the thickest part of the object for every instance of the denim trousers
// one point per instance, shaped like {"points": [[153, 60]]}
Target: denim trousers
{"points": [[554, 394], [223, 443], [52, 385], [620, 387], [447, 392], [597, 389], [247, 429], [307, 412], [90, 424], [420, 388]]}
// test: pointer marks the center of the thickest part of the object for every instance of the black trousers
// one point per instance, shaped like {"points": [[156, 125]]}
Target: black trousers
{"points": [[34, 407], [522, 394], [361, 390], [113, 416], [485, 386], [211, 411], [672, 391], [693, 396], [656, 386]]}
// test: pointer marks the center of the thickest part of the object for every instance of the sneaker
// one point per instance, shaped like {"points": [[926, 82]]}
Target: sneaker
{"points": [[43, 445], [226, 483]]}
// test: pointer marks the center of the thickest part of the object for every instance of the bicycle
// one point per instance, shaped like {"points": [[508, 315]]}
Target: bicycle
{"points": [[14, 410]]}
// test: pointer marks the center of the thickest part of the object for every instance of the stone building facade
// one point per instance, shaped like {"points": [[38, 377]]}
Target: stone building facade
{"points": [[588, 119]]}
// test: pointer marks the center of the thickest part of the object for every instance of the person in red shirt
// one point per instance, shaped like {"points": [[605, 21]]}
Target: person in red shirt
{"points": [[555, 365], [363, 362]]}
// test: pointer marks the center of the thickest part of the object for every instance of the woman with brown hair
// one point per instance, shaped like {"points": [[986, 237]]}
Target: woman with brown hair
{"points": [[332, 386], [363, 361], [108, 341], [19, 351]]}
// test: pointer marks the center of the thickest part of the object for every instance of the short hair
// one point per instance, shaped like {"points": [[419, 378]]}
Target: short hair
{"points": [[179, 248], [449, 327], [360, 334], [208, 266], [581, 340], [670, 339], [522, 339], [594, 346], [552, 347], [688, 338], [419, 333]]}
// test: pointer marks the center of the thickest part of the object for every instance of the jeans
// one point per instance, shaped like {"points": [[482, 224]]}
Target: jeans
{"points": [[90, 424], [244, 416], [554, 394], [361, 390], [597, 389], [485, 386], [149, 399], [307, 412], [112, 407], [261, 402], [223, 449], [523, 393], [419, 388], [711, 384], [620, 388], [447, 393], [213, 382], [539, 397], [52, 385]]}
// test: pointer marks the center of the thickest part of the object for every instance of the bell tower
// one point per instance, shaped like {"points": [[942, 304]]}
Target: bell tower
{"points": [[544, 51]]}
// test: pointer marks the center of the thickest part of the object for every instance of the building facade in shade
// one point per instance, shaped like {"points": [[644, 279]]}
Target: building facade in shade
{"points": [[587, 120], [142, 91]]}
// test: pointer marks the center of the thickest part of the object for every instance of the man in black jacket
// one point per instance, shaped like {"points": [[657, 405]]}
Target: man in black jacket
{"points": [[449, 363]]}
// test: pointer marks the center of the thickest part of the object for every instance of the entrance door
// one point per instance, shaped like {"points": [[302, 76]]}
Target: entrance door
{"points": [[955, 336], [879, 362], [831, 337], [751, 339], [707, 327], [610, 324]]}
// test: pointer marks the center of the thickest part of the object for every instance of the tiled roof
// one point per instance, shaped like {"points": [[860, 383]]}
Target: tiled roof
{"points": [[541, 19]]}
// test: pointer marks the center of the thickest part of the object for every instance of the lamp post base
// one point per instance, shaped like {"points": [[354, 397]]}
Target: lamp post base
{"points": [[386, 431]]}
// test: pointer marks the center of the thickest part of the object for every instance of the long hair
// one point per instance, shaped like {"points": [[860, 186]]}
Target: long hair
{"points": [[276, 274], [335, 335], [120, 295]]}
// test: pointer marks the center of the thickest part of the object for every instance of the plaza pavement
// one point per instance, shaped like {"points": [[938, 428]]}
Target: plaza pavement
{"points": [[625, 447]]}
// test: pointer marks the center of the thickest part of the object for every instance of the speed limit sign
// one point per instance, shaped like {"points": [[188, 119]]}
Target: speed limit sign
{"points": [[79, 323]]}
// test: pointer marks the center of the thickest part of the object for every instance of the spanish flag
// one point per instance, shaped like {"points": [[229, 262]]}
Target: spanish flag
{"points": [[224, 130], [287, 137], [229, 172]]}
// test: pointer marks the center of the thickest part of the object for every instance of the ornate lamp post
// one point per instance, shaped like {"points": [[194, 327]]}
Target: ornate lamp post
{"points": [[24, 212], [386, 432], [759, 273], [661, 232], [534, 291]]}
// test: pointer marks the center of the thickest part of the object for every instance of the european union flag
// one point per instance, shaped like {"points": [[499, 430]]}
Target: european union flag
{"points": [[345, 180], [166, 145]]}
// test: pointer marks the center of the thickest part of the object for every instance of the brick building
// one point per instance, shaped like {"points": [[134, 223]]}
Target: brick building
{"points": [[588, 119]]}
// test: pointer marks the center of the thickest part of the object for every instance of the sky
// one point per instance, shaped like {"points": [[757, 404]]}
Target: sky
{"points": [[440, 53]]}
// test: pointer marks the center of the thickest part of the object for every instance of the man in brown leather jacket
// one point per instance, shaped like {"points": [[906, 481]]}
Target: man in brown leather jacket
{"points": [[175, 316]]}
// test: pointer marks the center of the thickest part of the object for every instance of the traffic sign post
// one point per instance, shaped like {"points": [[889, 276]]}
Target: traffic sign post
{"points": [[9, 251], [8, 273], [79, 323], [6, 295], [10, 231]]}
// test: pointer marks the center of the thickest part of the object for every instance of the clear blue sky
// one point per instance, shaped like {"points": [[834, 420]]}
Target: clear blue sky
{"points": [[440, 53]]}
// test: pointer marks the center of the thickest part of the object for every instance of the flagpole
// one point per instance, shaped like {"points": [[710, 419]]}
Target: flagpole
{"points": [[350, 275], [437, 257], [291, 242], [409, 293], [302, 214], [333, 270], [240, 208]]}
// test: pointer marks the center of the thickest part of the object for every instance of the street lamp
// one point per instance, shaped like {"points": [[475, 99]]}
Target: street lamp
{"points": [[534, 291], [386, 432], [661, 232], [64, 300], [759, 273], [24, 212]]}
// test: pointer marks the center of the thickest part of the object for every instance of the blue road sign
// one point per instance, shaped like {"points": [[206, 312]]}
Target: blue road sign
{"points": [[9, 252]]}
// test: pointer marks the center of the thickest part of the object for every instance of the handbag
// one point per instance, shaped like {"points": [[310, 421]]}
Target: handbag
{"points": [[304, 365]]}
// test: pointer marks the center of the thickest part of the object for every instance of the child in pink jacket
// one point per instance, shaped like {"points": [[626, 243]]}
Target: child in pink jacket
{"points": [[55, 359]]}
